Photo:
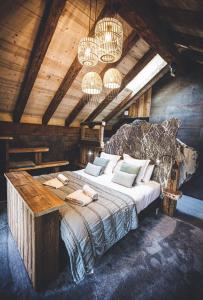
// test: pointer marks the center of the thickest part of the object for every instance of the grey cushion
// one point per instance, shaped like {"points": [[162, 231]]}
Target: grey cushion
{"points": [[93, 170], [100, 161], [124, 178], [129, 168]]}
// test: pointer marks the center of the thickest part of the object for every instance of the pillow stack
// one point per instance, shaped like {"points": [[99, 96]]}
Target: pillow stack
{"points": [[131, 171], [98, 167]]}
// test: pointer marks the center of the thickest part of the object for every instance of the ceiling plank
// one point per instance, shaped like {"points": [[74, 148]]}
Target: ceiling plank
{"points": [[133, 97], [70, 76], [52, 12], [130, 75], [141, 15], [183, 17], [130, 41], [187, 40]]}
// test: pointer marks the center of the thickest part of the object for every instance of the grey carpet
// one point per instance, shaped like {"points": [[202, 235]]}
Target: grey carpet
{"points": [[161, 260]]}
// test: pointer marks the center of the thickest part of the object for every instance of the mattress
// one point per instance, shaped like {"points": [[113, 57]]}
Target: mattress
{"points": [[143, 193]]}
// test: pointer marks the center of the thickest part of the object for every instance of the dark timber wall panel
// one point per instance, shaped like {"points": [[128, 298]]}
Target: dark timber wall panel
{"points": [[62, 142], [181, 97]]}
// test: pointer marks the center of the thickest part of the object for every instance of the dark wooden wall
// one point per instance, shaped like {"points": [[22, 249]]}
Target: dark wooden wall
{"points": [[63, 142], [182, 97]]}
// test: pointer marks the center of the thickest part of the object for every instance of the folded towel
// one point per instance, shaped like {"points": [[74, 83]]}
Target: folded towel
{"points": [[79, 197], [63, 179], [90, 192], [57, 182]]}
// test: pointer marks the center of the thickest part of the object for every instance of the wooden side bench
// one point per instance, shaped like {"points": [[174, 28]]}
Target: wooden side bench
{"points": [[53, 164], [33, 218]]}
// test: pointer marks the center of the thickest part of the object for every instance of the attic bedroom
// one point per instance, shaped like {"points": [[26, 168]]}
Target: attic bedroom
{"points": [[101, 149]]}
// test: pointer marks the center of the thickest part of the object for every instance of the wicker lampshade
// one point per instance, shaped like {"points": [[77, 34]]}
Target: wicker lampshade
{"points": [[92, 83], [109, 36], [88, 51], [112, 79]]}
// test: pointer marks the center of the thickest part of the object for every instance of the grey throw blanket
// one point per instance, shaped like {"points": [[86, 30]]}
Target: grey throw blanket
{"points": [[88, 232]]}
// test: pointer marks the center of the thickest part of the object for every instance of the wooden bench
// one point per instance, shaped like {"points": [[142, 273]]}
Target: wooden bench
{"points": [[33, 218], [53, 164]]}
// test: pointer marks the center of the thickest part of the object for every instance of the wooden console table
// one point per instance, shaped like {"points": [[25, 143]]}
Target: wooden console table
{"points": [[33, 218]]}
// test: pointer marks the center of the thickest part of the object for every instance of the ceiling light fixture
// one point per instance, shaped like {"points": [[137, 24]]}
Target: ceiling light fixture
{"points": [[92, 83], [88, 47], [109, 36], [112, 79]]}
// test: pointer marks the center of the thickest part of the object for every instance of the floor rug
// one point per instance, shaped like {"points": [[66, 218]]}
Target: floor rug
{"points": [[161, 260]]}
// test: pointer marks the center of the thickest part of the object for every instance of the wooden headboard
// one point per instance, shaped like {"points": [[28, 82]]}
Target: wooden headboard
{"points": [[144, 140]]}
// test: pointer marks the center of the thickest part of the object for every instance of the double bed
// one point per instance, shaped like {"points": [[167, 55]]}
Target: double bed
{"points": [[88, 232]]}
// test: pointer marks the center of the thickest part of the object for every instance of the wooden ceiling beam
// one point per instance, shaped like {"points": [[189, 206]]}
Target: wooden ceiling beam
{"points": [[133, 97], [130, 75], [130, 41], [47, 26], [70, 76], [142, 16]]}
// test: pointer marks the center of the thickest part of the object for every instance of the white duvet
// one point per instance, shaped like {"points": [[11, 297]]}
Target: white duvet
{"points": [[142, 193]]}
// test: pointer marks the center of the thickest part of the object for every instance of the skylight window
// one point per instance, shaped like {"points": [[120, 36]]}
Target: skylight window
{"points": [[147, 73]]}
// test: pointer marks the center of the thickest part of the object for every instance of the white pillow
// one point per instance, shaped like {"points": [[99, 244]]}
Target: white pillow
{"points": [[148, 173], [140, 163], [118, 165], [113, 159]]}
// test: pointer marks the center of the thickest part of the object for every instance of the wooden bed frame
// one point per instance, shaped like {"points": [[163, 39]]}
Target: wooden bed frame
{"points": [[33, 218]]}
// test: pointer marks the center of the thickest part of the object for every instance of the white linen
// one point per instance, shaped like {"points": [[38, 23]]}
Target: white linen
{"points": [[141, 163], [143, 193], [113, 159], [148, 173]]}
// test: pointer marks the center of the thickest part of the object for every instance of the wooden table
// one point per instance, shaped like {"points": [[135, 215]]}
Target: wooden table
{"points": [[33, 218]]}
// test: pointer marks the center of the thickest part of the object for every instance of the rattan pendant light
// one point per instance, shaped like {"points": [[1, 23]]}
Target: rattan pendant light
{"points": [[109, 36], [88, 52], [88, 48], [112, 79], [92, 83]]}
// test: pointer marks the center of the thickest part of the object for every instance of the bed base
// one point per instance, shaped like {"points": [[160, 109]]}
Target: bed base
{"points": [[33, 218]]}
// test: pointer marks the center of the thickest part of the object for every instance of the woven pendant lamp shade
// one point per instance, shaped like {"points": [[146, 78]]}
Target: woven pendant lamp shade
{"points": [[92, 83], [88, 51], [109, 36], [112, 79]]}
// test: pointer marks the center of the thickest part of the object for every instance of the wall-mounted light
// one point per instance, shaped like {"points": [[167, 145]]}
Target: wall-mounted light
{"points": [[90, 153], [126, 113]]}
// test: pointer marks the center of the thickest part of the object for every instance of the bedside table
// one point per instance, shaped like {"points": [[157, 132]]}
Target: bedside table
{"points": [[170, 199]]}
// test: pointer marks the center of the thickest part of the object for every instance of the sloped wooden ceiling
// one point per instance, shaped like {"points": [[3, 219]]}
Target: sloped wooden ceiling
{"points": [[183, 19], [55, 95]]}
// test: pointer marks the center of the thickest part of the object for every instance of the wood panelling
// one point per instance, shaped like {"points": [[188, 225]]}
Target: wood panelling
{"points": [[140, 17], [141, 108], [181, 97], [48, 23], [70, 76], [33, 218], [62, 142]]}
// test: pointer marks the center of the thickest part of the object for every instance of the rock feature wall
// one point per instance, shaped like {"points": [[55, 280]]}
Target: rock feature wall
{"points": [[144, 140]]}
